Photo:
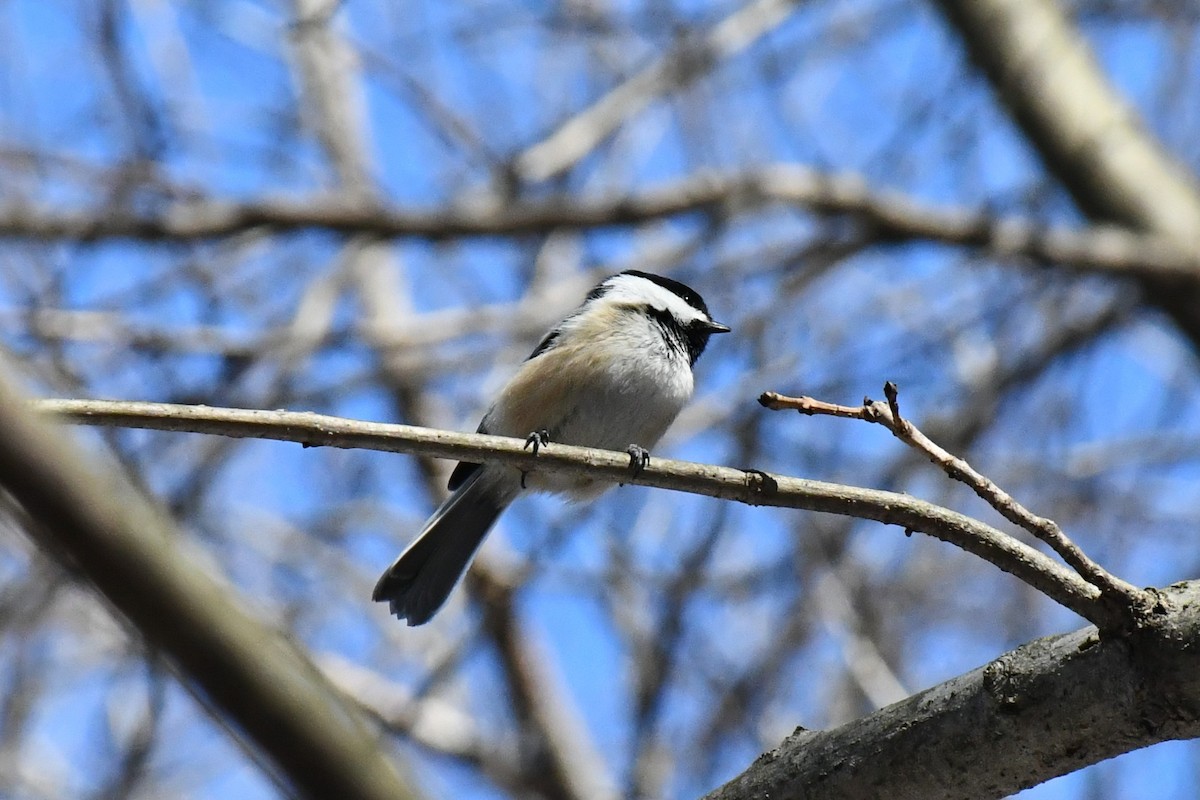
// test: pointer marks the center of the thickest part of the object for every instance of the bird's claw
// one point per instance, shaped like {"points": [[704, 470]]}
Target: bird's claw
{"points": [[537, 440], [639, 458]]}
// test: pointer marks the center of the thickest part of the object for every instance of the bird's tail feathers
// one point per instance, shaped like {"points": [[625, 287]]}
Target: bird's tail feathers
{"points": [[419, 581]]}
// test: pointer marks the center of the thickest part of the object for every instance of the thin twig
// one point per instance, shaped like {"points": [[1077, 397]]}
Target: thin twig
{"points": [[888, 415]]}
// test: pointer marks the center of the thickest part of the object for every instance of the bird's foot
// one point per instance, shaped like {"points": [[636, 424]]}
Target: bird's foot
{"points": [[536, 440], [639, 458]]}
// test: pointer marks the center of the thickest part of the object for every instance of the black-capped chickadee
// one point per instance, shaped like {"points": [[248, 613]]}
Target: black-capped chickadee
{"points": [[613, 375]]}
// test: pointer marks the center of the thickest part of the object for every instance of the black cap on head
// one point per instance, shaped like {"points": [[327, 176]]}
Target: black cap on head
{"points": [[685, 292]]}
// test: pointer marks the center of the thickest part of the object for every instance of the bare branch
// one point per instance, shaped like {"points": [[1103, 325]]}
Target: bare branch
{"points": [[888, 215], [746, 486], [1046, 75], [568, 766], [579, 135], [326, 67], [1045, 709], [249, 674], [1129, 601], [434, 724]]}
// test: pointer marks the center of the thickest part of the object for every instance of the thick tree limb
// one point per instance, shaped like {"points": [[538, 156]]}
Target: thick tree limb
{"points": [[889, 215], [252, 676], [1049, 707], [746, 486], [1045, 74]]}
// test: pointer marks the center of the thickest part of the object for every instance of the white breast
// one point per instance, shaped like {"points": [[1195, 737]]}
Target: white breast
{"points": [[610, 383]]}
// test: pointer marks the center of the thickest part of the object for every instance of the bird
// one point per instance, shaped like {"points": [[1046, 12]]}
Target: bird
{"points": [[613, 375]]}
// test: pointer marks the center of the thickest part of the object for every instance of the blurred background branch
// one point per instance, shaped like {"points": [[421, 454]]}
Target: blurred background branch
{"points": [[256, 680], [884, 216]]}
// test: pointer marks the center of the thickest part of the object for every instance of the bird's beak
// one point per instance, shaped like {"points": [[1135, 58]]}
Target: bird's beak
{"points": [[716, 327]]}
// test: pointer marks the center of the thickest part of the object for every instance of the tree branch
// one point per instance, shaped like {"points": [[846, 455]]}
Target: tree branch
{"points": [[1045, 74], [250, 675], [1049, 707], [564, 763], [888, 215], [580, 134], [1129, 604], [746, 486]]}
